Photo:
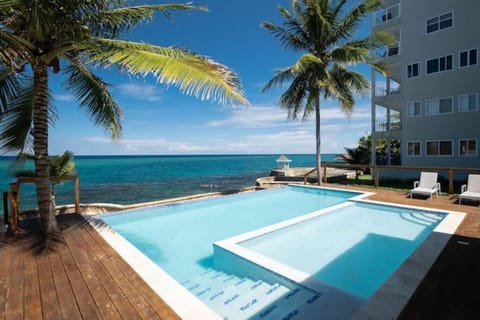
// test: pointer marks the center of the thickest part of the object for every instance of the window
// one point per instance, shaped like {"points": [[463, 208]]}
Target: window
{"points": [[440, 22], [414, 109], [439, 148], [440, 64], [467, 102], [468, 58], [468, 147], [413, 70], [437, 106], [413, 149]]}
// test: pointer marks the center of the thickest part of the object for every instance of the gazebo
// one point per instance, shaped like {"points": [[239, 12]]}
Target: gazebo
{"points": [[283, 162]]}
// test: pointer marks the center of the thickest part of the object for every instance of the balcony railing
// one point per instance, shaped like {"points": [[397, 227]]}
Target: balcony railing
{"points": [[387, 14], [384, 52], [382, 125], [383, 92]]}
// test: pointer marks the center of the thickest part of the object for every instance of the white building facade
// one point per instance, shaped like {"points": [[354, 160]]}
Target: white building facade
{"points": [[429, 99]]}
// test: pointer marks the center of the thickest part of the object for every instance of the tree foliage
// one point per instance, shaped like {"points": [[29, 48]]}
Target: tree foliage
{"points": [[322, 32], [39, 38]]}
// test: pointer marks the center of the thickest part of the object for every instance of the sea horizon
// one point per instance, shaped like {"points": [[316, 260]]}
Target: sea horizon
{"points": [[128, 179]]}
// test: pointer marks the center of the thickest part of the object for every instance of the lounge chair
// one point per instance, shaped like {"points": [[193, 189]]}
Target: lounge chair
{"points": [[471, 190], [427, 185]]}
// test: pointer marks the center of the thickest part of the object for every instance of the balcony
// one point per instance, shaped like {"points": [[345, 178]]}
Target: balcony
{"points": [[387, 14], [390, 51], [384, 92], [382, 125]]}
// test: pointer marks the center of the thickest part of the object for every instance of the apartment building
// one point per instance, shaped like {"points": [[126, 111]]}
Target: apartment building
{"points": [[429, 99]]}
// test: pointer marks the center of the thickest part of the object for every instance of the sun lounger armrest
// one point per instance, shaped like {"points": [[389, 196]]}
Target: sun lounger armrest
{"points": [[463, 188], [439, 188], [415, 184]]}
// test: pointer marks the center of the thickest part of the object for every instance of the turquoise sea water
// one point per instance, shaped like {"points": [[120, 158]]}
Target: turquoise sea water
{"points": [[131, 179]]}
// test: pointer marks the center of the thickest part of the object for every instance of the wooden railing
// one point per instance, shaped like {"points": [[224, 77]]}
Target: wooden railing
{"points": [[14, 197], [376, 170]]}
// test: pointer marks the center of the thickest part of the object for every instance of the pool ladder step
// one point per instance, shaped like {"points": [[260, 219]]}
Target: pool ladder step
{"points": [[233, 297]]}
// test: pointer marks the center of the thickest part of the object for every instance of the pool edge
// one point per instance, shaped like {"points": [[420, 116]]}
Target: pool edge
{"points": [[182, 302]]}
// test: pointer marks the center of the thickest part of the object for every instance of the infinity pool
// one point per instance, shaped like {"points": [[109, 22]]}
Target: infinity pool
{"points": [[253, 255], [179, 237]]}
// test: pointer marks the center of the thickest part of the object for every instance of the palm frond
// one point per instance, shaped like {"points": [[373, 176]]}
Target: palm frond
{"points": [[306, 62], [345, 28], [110, 23], [8, 4], [16, 125], [350, 53], [287, 39], [193, 74], [62, 164], [281, 76], [9, 87], [94, 95], [292, 99]]}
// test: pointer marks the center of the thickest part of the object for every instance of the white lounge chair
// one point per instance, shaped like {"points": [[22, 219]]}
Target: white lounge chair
{"points": [[471, 190], [427, 185]]}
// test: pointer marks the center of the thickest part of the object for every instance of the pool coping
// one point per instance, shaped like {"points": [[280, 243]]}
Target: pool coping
{"points": [[387, 302], [177, 297]]}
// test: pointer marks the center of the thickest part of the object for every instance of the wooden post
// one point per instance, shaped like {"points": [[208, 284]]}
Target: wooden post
{"points": [[14, 204], [5, 207], [77, 195], [377, 176], [325, 174], [450, 181]]}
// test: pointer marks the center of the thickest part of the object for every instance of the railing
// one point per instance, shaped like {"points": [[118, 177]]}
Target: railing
{"points": [[377, 168], [383, 92], [382, 125], [388, 51], [387, 14], [14, 196]]}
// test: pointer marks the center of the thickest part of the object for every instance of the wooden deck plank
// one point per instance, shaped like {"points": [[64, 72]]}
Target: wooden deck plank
{"points": [[32, 302], [115, 262], [144, 310], [5, 253], [50, 306], [87, 263], [65, 294], [85, 302], [119, 299], [14, 306]]}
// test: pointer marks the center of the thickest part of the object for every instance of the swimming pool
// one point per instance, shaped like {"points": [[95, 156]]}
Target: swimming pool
{"points": [[179, 237], [182, 239]]}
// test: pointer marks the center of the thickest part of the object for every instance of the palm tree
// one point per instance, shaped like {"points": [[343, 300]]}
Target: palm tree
{"points": [[41, 37], [59, 166], [322, 30]]}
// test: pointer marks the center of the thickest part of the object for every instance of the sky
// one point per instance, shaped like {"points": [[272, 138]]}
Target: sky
{"points": [[159, 120]]}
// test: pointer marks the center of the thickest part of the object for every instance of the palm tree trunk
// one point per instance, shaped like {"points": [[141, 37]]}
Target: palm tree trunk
{"points": [[40, 147], [318, 140]]}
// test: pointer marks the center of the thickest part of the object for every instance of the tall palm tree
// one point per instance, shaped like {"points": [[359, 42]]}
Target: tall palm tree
{"points": [[41, 37], [322, 31]]}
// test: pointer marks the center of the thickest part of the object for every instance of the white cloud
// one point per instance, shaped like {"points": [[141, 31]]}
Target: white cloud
{"points": [[144, 91], [274, 116], [153, 146], [63, 97]]}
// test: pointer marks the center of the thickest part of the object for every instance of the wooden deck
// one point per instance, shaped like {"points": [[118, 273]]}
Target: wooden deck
{"points": [[84, 278]]}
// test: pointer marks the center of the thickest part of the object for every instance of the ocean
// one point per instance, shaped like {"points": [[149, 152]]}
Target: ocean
{"points": [[133, 179]]}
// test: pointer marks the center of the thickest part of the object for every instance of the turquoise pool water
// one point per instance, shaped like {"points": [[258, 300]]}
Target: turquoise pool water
{"points": [[355, 248], [179, 237]]}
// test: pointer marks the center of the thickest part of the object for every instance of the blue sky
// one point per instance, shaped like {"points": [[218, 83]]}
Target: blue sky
{"points": [[160, 120]]}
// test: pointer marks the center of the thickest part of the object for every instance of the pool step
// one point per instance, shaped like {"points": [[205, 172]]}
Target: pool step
{"points": [[233, 297]]}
